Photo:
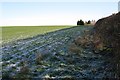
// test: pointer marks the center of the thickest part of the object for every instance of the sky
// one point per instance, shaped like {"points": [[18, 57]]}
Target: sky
{"points": [[53, 13]]}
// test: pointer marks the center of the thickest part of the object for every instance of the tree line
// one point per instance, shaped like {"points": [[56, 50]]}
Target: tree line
{"points": [[81, 22]]}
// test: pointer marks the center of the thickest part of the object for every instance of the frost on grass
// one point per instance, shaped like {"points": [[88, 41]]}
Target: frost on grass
{"points": [[66, 54]]}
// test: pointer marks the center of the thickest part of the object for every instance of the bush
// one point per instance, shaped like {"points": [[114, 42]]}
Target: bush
{"points": [[75, 49], [80, 22], [89, 22]]}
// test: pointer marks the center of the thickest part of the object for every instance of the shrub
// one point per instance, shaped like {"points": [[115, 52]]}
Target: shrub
{"points": [[74, 48], [89, 22], [80, 22]]}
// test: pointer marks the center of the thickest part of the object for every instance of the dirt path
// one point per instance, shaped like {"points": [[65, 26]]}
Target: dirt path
{"points": [[56, 61]]}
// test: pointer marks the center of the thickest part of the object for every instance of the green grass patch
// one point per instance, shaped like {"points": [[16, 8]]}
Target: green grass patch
{"points": [[12, 33]]}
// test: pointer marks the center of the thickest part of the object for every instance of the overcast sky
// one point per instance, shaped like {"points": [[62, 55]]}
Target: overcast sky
{"points": [[53, 13]]}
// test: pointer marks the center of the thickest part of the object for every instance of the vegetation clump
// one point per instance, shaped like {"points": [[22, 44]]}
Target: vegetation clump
{"points": [[108, 31], [39, 58], [80, 22]]}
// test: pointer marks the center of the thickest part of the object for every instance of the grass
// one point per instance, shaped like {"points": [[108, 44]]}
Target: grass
{"points": [[12, 33]]}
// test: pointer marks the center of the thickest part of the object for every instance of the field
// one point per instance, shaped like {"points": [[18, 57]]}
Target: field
{"points": [[52, 55], [13, 33]]}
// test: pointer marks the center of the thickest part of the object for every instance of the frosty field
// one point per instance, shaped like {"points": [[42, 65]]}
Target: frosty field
{"points": [[48, 56]]}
